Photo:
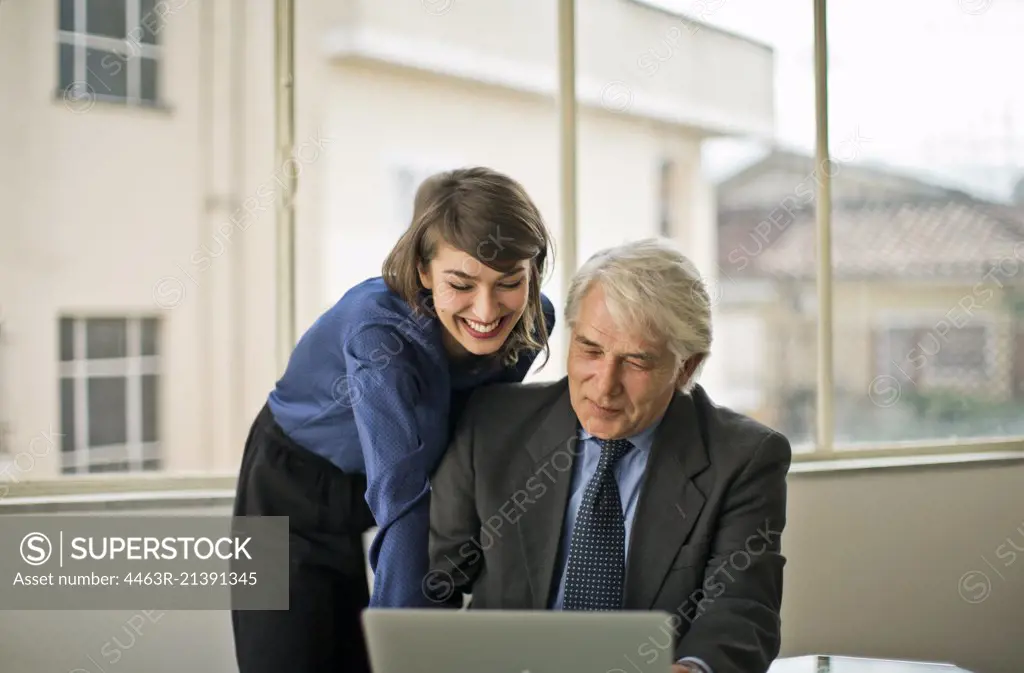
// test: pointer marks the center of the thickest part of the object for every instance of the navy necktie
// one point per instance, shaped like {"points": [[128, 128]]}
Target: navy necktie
{"points": [[597, 556]]}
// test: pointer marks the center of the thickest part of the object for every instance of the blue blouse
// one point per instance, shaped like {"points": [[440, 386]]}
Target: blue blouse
{"points": [[369, 387]]}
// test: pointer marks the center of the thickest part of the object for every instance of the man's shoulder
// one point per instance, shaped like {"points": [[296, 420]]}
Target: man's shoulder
{"points": [[736, 435]]}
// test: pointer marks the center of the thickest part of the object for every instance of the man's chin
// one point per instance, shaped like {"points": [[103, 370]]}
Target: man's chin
{"points": [[602, 428]]}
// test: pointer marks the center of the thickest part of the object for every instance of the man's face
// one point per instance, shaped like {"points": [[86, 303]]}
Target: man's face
{"points": [[619, 382]]}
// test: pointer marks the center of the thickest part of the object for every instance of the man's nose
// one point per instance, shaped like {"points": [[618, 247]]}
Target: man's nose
{"points": [[607, 377]]}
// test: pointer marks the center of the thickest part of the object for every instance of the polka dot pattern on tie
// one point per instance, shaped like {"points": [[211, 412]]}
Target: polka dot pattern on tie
{"points": [[597, 556]]}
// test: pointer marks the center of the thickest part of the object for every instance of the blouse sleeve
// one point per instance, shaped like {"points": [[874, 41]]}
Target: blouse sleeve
{"points": [[384, 389]]}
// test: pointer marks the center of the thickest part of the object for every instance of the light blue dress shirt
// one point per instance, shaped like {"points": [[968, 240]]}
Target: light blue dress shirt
{"points": [[629, 472]]}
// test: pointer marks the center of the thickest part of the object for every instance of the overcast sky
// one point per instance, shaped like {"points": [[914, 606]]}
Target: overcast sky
{"points": [[935, 84]]}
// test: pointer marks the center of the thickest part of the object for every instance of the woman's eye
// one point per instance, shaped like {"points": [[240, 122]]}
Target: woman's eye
{"points": [[460, 288], [512, 286]]}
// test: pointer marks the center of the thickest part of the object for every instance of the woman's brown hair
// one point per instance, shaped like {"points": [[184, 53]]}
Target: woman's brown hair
{"points": [[490, 217]]}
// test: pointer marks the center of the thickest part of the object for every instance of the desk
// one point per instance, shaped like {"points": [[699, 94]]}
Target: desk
{"points": [[825, 663]]}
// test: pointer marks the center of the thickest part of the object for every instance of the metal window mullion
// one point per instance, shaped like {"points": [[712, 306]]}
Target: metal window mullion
{"points": [[284, 98], [567, 138], [80, 381], [133, 77], [133, 396], [79, 42], [116, 45], [825, 389]]}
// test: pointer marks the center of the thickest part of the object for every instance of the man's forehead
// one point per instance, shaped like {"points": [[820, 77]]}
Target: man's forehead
{"points": [[618, 340]]}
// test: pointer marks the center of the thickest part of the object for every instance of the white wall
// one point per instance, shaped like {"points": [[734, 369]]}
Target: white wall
{"points": [[875, 565]]}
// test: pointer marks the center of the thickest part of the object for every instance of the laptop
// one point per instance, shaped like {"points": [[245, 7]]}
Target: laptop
{"points": [[510, 641]]}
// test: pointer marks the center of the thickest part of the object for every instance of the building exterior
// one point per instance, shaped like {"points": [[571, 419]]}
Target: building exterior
{"points": [[137, 278], [927, 302]]}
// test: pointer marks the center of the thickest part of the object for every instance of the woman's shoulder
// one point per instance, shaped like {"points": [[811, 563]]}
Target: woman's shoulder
{"points": [[371, 306]]}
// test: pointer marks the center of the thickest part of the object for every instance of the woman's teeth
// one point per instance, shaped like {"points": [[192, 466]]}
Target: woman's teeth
{"points": [[482, 327]]}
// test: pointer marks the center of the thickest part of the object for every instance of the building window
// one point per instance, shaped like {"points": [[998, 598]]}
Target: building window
{"points": [[109, 394], [108, 50], [947, 357]]}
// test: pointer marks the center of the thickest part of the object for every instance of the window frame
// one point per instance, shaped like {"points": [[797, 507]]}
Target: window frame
{"points": [[133, 50], [824, 454], [825, 447], [133, 367]]}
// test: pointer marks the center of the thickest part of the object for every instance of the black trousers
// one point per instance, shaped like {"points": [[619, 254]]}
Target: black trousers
{"points": [[321, 630]]}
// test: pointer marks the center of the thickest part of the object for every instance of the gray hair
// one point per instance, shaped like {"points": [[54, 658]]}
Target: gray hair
{"points": [[650, 285]]}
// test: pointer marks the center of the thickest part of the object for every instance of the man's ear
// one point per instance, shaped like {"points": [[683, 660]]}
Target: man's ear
{"points": [[689, 368]]}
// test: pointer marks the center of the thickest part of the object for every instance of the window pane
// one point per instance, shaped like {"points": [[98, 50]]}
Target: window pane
{"points": [[67, 15], [67, 339], [150, 334], [928, 244], [106, 17], [106, 338], [151, 22], [149, 73], [67, 414], [150, 407], [67, 65], [106, 72], [742, 209], [108, 422]]}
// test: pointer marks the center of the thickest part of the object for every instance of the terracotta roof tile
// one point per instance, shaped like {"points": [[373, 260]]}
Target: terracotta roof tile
{"points": [[920, 238]]}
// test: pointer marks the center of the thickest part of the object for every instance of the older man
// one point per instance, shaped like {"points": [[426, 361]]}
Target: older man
{"points": [[622, 486]]}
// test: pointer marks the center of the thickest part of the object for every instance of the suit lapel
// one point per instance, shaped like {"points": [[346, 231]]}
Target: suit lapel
{"points": [[551, 451], [669, 504]]}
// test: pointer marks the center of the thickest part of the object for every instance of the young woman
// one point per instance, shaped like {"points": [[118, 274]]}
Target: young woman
{"points": [[360, 418]]}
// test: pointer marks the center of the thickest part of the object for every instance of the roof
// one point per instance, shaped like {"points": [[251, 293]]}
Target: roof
{"points": [[925, 238], [779, 159]]}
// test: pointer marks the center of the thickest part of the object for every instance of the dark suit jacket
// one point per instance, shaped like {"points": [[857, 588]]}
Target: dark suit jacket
{"points": [[705, 543]]}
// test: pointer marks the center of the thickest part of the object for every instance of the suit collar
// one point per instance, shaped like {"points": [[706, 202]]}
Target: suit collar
{"points": [[670, 501], [557, 429], [552, 451]]}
